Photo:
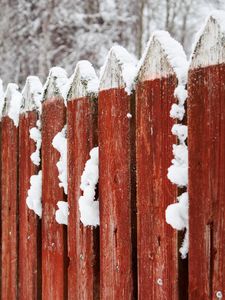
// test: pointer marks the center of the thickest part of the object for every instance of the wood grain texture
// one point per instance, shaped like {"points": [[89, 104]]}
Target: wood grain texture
{"points": [[54, 255], [29, 223], [83, 242], [116, 143], [157, 241], [206, 142], [9, 210]]}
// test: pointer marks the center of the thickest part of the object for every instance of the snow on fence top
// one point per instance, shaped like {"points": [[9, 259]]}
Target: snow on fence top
{"points": [[118, 70], [84, 81], [163, 56], [32, 94], [57, 84], [12, 103], [209, 47]]}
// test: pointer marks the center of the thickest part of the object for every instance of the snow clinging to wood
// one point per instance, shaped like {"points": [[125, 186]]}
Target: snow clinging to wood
{"points": [[119, 70], [61, 214], [208, 48], [32, 95], [88, 206], [177, 213], [57, 84], [60, 144], [162, 56], [35, 135], [12, 103], [84, 82], [35, 194]]}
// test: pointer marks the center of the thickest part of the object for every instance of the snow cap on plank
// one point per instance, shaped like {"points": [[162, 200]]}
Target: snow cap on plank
{"points": [[32, 94], [84, 81], [119, 70], [57, 84], [209, 46], [163, 56], [12, 103]]}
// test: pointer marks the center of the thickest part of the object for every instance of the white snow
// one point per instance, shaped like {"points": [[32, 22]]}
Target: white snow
{"points": [[12, 103], [177, 217], [89, 208], [32, 94], [57, 83], [62, 212], [119, 70], [35, 194], [171, 50], [85, 81], [180, 131], [60, 144], [35, 134]]}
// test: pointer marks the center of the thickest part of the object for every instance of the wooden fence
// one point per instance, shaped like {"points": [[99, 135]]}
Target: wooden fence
{"points": [[134, 253]]}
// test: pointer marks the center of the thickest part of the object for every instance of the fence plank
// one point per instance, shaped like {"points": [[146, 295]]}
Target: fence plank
{"points": [[83, 249], [206, 125], [157, 242], [9, 209], [54, 273], [116, 144], [29, 225]]}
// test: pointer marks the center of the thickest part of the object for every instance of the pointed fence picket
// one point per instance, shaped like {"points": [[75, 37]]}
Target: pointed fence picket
{"points": [[117, 181], [206, 123], [9, 197], [157, 242], [82, 136], [29, 223], [54, 240]]}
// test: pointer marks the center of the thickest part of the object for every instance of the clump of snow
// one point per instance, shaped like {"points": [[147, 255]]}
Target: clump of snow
{"points": [[119, 70], [32, 94], [85, 81], [89, 209], [35, 194], [177, 213], [35, 135], [177, 217], [180, 131], [62, 212], [12, 103], [57, 83], [60, 144]]}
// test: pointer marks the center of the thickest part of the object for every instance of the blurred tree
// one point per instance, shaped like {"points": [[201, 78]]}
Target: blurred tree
{"points": [[36, 35]]}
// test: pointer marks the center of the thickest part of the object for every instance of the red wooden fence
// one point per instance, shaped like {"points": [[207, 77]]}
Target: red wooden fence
{"points": [[134, 253]]}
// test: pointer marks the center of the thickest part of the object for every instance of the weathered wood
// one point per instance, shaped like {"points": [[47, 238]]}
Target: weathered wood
{"points": [[9, 211], [9, 208], [54, 254], [116, 146], [29, 223], [157, 241], [206, 142], [83, 248]]}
